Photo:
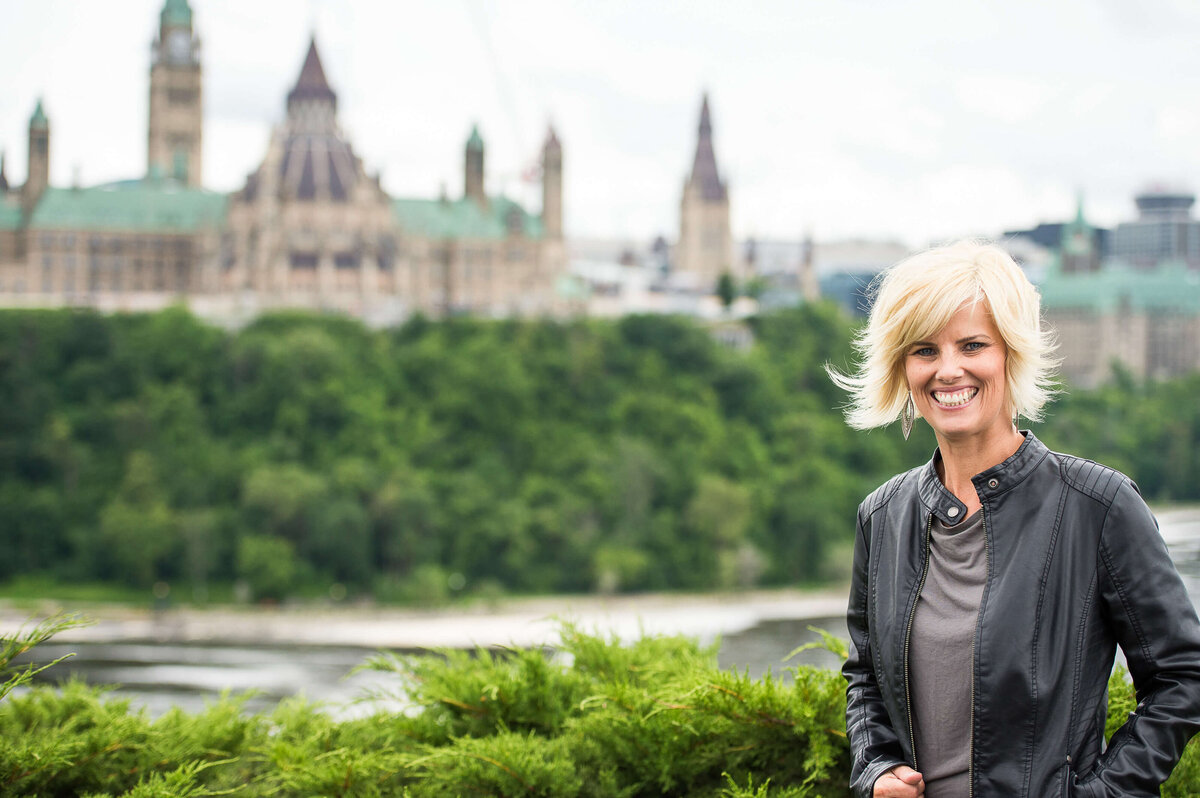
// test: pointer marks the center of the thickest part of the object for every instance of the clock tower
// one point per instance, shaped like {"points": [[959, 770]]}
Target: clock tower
{"points": [[174, 140]]}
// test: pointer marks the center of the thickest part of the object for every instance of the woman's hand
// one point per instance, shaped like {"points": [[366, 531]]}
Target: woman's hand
{"points": [[899, 782]]}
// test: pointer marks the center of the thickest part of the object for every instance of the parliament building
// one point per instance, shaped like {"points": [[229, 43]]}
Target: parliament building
{"points": [[309, 229]]}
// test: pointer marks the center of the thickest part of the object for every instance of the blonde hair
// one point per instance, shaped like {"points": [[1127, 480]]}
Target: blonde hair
{"points": [[916, 298]]}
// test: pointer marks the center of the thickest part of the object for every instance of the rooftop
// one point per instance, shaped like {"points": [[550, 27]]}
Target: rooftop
{"points": [[176, 13], [146, 205], [39, 120], [464, 218], [1170, 288], [312, 83], [10, 213]]}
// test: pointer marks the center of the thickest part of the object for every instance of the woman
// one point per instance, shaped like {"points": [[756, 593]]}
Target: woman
{"points": [[992, 585]]}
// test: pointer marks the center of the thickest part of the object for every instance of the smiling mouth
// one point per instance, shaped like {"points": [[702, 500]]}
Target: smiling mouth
{"points": [[956, 398]]}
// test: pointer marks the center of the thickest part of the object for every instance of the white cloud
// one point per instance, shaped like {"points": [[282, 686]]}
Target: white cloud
{"points": [[1179, 124], [1008, 99]]}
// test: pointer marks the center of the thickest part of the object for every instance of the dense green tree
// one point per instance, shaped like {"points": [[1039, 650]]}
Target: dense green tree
{"points": [[467, 455], [268, 564], [138, 531], [404, 515], [726, 289]]}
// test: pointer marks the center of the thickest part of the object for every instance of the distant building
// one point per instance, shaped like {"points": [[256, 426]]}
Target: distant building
{"points": [[850, 290], [1164, 230], [1118, 311], [1079, 247], [705, 249], [1148, 321], [839, 270], [310, 228], [1049, 235]]}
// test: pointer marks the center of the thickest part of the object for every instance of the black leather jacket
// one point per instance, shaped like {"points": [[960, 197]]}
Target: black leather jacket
{"points": [[1075, 567]]}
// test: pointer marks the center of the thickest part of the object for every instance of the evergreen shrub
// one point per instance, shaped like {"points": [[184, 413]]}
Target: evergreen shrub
{"points": [[596, 717]]}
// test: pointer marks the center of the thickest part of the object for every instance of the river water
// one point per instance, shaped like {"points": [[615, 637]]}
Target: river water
{"points": [[160, 675]]}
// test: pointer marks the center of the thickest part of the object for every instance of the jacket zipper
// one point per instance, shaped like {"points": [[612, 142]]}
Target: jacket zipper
{"points": [[912, 735], [971, 747]]}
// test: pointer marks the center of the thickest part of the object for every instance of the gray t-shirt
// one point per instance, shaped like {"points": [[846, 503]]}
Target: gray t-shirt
{"points": [[941, 655]]}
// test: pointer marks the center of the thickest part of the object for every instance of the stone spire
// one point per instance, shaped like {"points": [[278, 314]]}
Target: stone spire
{"points": [[1078, 250], [810, 288], [704, 166], [315, 161], [312, 84], [552, 222], [39, 121], [38, 173], [1077, 228], [705, 249], [473, 187], [475, 141]]}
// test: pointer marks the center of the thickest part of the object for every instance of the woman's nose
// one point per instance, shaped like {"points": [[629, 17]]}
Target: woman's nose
{"points": [[949, 368]]}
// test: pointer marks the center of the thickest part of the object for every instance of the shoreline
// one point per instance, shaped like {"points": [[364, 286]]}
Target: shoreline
{"points": [[522, 622]]}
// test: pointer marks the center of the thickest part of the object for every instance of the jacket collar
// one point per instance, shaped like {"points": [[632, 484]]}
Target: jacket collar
{"points": [[996, 480]]}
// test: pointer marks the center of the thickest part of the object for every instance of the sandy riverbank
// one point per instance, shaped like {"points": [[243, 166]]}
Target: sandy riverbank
{"points": [[521, 622]]}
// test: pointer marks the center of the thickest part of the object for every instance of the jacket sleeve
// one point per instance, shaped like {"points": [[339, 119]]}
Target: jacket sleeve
{"points": [[1156, 626], [874, 745]]}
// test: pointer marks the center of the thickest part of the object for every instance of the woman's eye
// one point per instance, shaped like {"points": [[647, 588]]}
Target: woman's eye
{"points": [[924, 351], [974, 346]]}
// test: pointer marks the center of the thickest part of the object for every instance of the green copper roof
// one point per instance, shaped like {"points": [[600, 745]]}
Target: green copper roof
{"points": [[463, 218], [1079, 223], [135, 205], [1169, 288], [10, 213], [1077, 237], [476, 141], [39, 120], [177, 13]]}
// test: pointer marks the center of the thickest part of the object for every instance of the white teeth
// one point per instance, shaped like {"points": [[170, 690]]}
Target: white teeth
{"points": [[956, 398]]}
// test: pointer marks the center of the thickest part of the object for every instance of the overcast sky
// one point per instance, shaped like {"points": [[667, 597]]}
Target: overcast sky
{"points": [[878, 119]]}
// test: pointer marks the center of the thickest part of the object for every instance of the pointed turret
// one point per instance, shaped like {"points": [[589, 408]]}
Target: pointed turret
{"points": [[312, 84], [552, 182], [39, 121], [473, 168], [1078, 249], [176, 13], [475, 141], [704, 165], [315, 162], [38, 174], [810, 289], [705, 248], [1078, 227]]}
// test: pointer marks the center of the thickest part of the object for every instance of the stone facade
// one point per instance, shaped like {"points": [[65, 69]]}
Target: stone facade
{"points": [[1105, 312], [705, 249], [309, 229], [1155, 345]]}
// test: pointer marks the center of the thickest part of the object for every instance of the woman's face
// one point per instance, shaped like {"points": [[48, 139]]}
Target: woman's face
{"points": [[957, 377]]}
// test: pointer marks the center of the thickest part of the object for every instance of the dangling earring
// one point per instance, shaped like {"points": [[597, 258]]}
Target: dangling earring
{"points": [[907, 416]]}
